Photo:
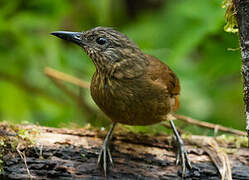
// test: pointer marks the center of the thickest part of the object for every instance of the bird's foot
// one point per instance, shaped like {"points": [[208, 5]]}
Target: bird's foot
{"points": [[105, 153], [104, 157], [181, 156]]}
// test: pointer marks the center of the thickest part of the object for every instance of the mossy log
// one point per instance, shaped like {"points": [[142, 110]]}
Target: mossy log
{"points": [[35, 152]]}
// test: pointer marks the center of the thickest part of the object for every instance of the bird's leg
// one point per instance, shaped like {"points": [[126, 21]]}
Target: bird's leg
{"points": [[105, 152], [181, 156]]}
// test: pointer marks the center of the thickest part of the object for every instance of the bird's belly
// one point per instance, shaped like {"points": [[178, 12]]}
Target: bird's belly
{"points": [[133, 108]]}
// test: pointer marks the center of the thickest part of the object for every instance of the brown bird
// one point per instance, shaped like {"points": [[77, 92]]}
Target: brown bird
{"points": [[130, 87]]}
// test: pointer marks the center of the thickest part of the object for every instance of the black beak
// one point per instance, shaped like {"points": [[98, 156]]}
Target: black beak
{"points": [[74, 37]]}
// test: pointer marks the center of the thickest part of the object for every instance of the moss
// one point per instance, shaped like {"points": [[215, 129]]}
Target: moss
{"points": [[234, 141], [231, 22], [229, 150], [27, 135], [186, 135], [82, 155], [12, 137], [5, 147]]}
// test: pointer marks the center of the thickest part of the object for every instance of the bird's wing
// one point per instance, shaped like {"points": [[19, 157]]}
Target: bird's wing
{"points": [[161, 73], [163, 76]]}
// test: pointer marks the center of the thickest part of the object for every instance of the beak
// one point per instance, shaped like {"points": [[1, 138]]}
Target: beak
{"points": [[74, 37]]}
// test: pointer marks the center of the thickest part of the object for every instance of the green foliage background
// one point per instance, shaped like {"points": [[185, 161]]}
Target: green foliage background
{"points": [[188, 35]]}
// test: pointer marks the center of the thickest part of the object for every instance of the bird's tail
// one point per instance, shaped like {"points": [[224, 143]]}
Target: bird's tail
{"points": [[177, 103]]}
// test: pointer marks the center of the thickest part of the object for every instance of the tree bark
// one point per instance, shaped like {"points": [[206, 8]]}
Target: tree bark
{"points": [[72, 154], [242, 16]]}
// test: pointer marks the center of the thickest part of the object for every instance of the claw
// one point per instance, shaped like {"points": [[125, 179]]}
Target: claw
{"points": [[105, 151], [181, 156], [104, 161], [177, 157], [99, 158], [110, 156]]}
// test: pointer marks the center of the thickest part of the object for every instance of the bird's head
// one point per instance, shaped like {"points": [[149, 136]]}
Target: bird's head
{"points": [[110, 50]]}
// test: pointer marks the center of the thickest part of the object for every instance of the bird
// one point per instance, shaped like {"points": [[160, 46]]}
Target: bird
{"points": [[129, 86]]}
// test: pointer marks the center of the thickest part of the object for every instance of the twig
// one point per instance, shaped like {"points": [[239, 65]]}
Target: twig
{"points": [[217, 155], [23, 157], [219, 158], [65, 77], [210, 125]]}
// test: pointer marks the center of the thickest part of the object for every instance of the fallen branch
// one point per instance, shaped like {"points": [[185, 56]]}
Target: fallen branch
{"points": [[72, 154]]}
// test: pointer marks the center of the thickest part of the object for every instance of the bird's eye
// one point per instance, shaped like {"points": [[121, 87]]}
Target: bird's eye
{"points": [[101, 41]]}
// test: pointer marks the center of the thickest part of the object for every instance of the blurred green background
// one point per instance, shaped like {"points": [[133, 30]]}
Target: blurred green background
{"points": [[188, 35]]}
